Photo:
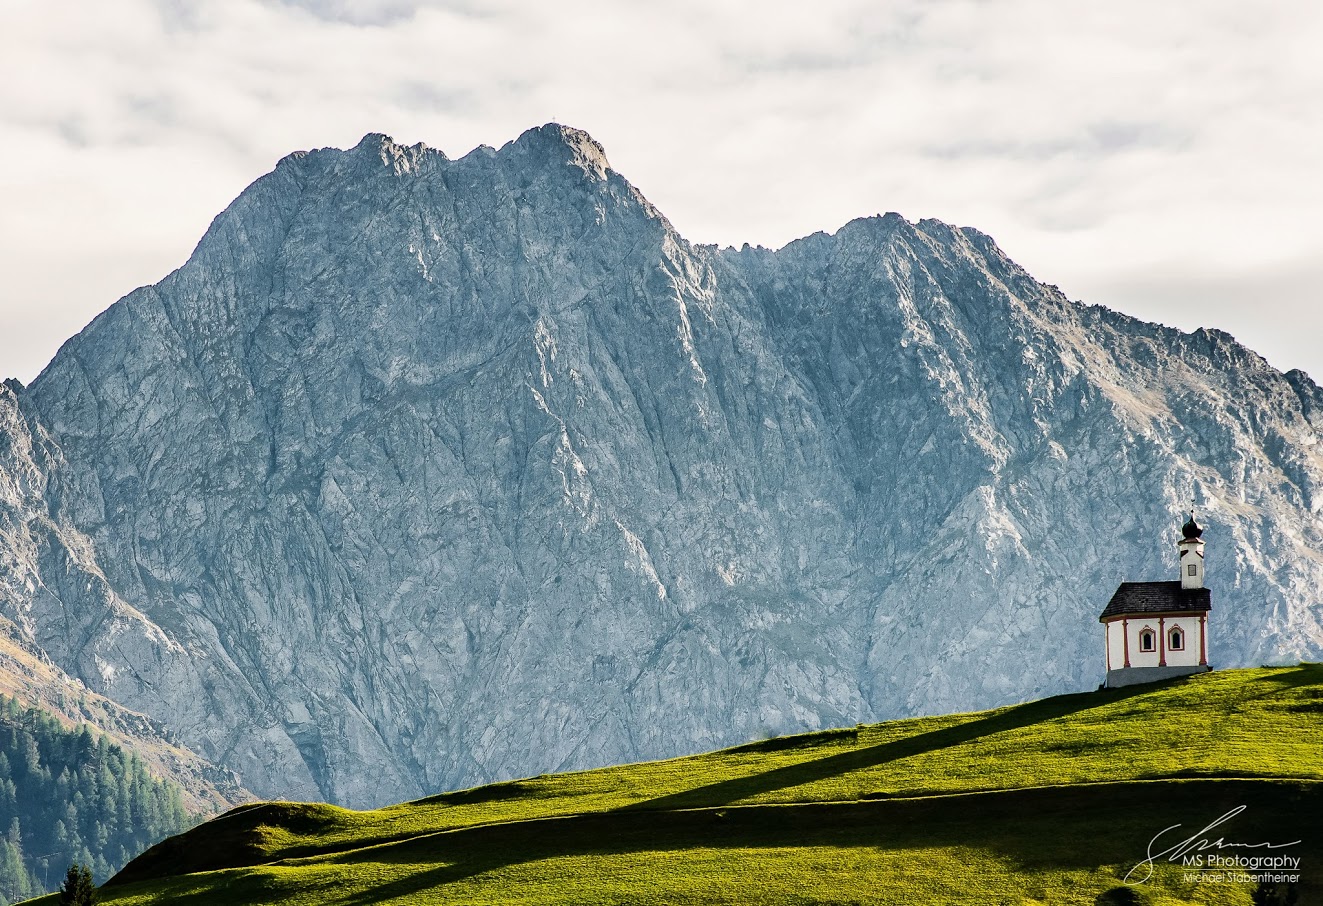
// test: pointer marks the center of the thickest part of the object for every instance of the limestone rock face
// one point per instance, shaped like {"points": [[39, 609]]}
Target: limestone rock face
{"points": [[53, 591], [422, 473]]}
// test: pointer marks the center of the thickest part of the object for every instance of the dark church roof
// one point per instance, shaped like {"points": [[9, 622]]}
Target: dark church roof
{"points": [[1156, 598]]}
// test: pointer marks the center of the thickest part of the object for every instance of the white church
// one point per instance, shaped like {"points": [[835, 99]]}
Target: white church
{"points": [[1159, 630]]}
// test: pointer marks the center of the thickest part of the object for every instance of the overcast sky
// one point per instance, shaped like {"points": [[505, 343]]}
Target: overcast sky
{"points": [[1159, 158]]}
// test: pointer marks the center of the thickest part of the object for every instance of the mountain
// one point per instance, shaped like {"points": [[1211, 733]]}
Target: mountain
{"points": [[426, 472], [1054, 801], [51, 587]]}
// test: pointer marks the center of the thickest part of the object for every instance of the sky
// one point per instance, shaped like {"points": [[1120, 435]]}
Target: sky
{"points": [[1161, 159]]}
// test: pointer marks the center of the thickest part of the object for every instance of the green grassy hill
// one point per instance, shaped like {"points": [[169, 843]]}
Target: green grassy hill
{"points": [[1047, 802]]}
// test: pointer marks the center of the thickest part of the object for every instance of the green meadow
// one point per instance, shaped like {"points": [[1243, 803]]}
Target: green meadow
{"points": [[1053, 802]]}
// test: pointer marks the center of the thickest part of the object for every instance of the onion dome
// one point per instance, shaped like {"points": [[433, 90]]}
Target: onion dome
{"points": [[1191, 529]]}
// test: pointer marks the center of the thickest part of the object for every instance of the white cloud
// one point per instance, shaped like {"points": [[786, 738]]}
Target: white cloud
{"points": [[1147, 156]]}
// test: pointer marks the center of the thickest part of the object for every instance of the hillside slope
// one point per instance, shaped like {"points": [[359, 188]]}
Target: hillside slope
{"points": [[423, 472], [1052, 801]]}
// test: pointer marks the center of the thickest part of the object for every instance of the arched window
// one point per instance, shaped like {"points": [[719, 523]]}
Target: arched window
{"points": [[1176, 639], [1147, 640]]}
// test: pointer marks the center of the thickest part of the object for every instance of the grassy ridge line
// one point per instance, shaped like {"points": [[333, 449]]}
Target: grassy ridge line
{"points": [[1262, 722], [778, 817], [222, 857], [1069, 843]]}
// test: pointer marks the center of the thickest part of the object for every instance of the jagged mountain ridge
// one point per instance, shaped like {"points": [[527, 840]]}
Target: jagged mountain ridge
{"points": [[425, 472]]}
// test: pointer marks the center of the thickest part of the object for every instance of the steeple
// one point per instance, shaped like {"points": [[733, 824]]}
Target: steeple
{"points": [[1191, 547]]}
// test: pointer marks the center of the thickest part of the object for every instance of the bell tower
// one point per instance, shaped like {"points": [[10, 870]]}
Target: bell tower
{"points": [[1191, 547]]}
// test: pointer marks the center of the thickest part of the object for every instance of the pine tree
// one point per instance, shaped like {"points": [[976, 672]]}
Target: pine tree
{"points": [[15, 881], [78, 889]]}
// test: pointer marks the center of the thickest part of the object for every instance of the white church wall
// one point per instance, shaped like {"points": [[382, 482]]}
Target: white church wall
{"points": [[1115, 643], [1189, 657], [1139, 657], [1116, 631]]}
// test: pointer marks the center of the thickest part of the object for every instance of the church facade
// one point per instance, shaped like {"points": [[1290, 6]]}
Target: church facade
{"points": [[1159, 630]]}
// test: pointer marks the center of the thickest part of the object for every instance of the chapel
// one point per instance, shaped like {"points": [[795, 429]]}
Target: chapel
{"points": [[1159, 630]]}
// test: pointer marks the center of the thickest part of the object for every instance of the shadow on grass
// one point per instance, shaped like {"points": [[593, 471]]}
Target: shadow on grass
{"points": [[680, 819], [725, 792], [1305, 674], [1044, 829], [1047, 828]]}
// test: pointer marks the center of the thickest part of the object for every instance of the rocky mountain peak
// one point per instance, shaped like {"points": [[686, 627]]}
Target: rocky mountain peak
{"points": [[421, 473], [564, 144], [401, 159]]}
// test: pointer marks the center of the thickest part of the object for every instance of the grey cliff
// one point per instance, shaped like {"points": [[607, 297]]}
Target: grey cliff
{"points": [[426, 472]]}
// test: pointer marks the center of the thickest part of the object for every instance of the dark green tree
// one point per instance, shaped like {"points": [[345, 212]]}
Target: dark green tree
{"points": [[16, 883], [78, 889]]}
